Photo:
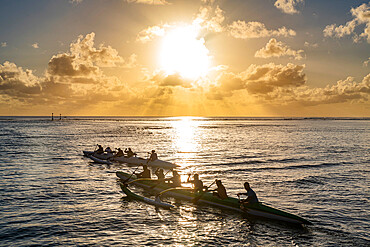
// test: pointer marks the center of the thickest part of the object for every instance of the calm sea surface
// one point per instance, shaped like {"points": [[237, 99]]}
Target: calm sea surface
{"points": [[317, 168]]}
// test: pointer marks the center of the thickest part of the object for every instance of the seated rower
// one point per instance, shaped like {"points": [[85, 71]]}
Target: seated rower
{"points": [[108, 150], [160, 174], [119, 153], [145, 173], [100, 150], [220, 191], [153, 156], [198, 184], [251, 195], [129, 152], [175, 181]]}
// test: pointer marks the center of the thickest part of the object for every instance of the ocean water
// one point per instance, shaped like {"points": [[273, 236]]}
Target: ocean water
{"points": [[316, 168]]}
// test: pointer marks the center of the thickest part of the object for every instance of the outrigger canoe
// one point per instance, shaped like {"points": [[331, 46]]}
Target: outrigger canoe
{"points": [[132, 160], [102, 156], [257, 209], [100, 161], [135, 196]]}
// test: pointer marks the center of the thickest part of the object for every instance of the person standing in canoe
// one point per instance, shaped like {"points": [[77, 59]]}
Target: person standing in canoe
{"points": [[198, 184], [220, 191], [145, 173], [251, 195]]}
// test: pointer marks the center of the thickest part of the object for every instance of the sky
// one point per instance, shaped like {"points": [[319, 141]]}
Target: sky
{"points": [[253, 58]]}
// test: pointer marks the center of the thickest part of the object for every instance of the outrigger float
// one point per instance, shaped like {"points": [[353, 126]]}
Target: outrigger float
{"points": [[257, 209]]}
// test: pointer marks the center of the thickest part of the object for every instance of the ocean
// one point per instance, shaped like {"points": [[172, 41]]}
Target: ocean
{"points": [[317, 168]]}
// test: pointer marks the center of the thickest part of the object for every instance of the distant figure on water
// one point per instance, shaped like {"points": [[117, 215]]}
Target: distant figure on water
{"points": [[145, 173], [119, 153], [108, 150], [198, 184], [159, 173], [153, 156], [175, 181], [129, 152], [220, 191], [100, 150], [251, 195]]}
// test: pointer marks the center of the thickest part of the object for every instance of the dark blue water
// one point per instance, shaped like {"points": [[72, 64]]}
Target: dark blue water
{"points": [[316, 168]]}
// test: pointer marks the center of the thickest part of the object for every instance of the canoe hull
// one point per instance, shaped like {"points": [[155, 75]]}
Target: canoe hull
{"points": [[135, 196]]}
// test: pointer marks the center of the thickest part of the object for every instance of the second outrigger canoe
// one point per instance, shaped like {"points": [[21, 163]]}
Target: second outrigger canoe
{"points": [[257, 209], [132, 160]]}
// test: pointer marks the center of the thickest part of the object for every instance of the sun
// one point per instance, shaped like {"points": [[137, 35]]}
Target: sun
{"points": [[183, 52]]}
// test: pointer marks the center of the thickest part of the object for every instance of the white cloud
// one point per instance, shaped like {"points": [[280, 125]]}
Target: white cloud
{"points": [[277, 49], [3, 44], [253, 29], [361, 16], [288, 6], [35, 45], [150, 33]]}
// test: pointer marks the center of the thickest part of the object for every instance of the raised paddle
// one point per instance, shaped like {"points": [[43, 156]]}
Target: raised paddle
{"points": [[196, 199], [131, 175]]}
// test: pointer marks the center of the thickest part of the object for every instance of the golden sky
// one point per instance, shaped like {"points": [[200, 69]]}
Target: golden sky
{"points": [[179, 58]]}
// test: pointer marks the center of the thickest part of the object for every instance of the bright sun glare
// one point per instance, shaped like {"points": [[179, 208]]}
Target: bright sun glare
{"points": [[184, 53]]}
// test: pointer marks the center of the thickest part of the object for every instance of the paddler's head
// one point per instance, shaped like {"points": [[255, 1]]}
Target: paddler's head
{"points": [[196, 176], [218, 182], [246, 186]]}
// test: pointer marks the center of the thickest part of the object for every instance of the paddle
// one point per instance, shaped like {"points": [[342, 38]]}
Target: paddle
{"points": [[159, 181], [131, 175], [196, 199]]}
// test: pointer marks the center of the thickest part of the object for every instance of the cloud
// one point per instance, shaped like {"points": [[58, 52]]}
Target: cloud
{"points": [[73, 78], [361, 16], [366, 62], [3, 44], [314, 45], [253, 29], [35, 45], [210, 18], [343, 91], [258, 79], [152, 32], [278, 49], [150, 2], [288, 6]]}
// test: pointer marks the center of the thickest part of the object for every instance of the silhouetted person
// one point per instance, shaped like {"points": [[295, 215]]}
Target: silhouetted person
{"points": [[175, 180], [220, 191], [251, 195], [159, 173], [119, 153], [129, 152], [153, 156], [108, 150], [145, 173], [100, 150], [198, 184]]}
